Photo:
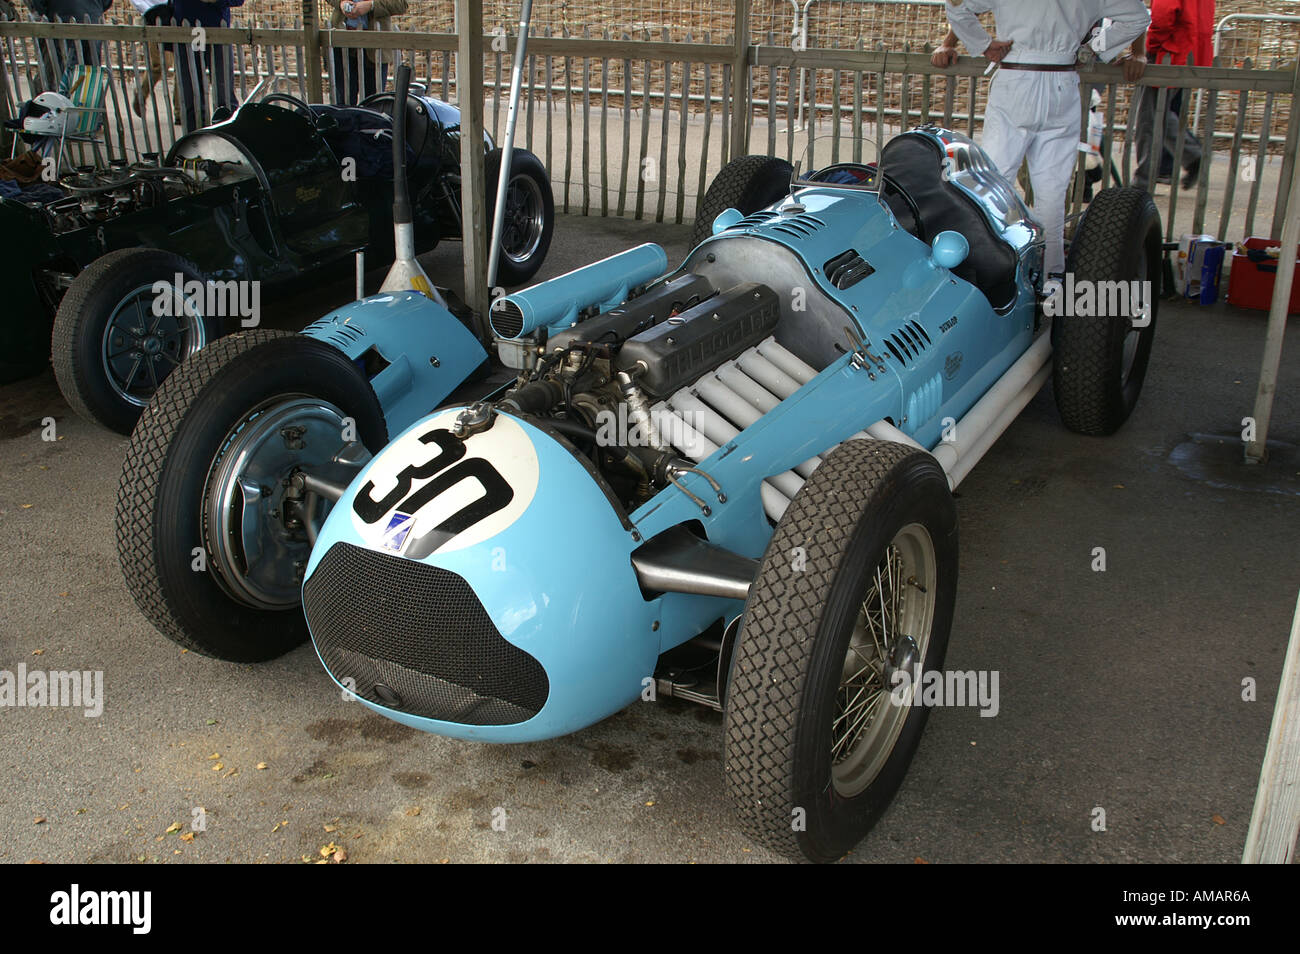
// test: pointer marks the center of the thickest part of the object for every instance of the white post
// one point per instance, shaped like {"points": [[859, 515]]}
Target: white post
{"points": [[508, 146], [1257, 450], [1275, 823]]}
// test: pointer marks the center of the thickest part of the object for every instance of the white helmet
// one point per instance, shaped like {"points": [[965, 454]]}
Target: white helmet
{"points": [[47, 114]]}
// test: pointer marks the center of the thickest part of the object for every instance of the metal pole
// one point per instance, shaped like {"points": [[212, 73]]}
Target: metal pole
{"points": [[469, 97], [508, 144], [1257, 450]]}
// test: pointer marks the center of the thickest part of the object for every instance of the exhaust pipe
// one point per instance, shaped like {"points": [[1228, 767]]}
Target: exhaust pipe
{"points": [[556, 303], [406, 273]]}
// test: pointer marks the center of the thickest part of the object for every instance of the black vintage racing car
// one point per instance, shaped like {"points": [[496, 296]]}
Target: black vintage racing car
{"points": [[274, 196]]}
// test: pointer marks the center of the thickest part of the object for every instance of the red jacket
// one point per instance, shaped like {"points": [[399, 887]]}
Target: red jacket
{"points": [[1180, 27]]}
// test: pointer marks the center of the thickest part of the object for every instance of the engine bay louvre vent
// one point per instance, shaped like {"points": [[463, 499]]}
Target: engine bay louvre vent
{"points": [[846, 269], [908, 343], [800, 225], [761, 217]]}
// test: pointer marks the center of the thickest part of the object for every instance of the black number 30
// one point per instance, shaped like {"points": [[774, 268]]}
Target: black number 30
{"points": [[448, 469]]}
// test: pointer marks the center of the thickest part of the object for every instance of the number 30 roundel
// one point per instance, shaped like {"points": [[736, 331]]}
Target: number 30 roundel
{"points": [[429, 490]]}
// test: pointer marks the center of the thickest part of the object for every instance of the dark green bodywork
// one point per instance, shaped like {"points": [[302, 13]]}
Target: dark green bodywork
{"points": [[285, 213]]}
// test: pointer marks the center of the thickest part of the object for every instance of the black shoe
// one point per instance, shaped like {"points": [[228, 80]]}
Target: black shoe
{"points": [[1192, 174]]}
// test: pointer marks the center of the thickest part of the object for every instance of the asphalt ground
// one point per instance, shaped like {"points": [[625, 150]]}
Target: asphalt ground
{"points": [[1120, 690]]}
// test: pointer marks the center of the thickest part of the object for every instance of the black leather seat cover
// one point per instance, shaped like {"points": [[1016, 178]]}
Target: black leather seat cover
{"points": [[915, 162]]}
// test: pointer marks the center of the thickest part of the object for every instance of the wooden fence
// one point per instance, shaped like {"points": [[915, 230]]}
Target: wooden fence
{"points": [[638, 125]]}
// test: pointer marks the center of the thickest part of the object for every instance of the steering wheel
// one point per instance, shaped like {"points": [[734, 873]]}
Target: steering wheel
{"points": [[413, 90], [294, 102]]}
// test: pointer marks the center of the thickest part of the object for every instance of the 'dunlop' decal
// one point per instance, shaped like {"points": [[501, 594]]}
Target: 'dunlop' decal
{"points": [[430, 490]]}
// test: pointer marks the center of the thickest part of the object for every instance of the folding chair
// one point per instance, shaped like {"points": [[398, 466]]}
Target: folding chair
{"points": [[86, 87]]}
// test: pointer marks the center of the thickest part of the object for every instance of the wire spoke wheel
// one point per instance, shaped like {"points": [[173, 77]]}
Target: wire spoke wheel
{"points": [[820, 728], [891, 636]]}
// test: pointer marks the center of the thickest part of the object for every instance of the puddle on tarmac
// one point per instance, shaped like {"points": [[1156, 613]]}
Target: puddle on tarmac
{"points": [[1219, 461]]}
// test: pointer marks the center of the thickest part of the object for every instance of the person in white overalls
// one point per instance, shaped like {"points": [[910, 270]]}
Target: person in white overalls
{"points": [[1033, 105]]}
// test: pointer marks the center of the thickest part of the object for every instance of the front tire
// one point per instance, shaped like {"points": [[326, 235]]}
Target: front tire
{"points": [[211, 540], [529, 221], [746, 184], [109, 349], [1100, 360], [857, 583]]}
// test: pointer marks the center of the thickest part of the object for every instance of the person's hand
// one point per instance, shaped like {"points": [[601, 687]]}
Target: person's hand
{"points": [[943, 57], [997, 50], [362, 7], [1135, 64]]}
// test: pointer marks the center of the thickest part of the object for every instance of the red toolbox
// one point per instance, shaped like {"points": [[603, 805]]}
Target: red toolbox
{"points": [[1250, 284]]}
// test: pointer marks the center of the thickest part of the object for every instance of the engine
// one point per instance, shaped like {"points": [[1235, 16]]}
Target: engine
{"points": [[95, 196], [605, 383]]}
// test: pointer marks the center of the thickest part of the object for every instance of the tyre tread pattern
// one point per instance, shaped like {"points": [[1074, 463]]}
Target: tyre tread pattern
{"points": [[1087, 396], [143, 469], [775, 646], [737, 185], [69, 322]]}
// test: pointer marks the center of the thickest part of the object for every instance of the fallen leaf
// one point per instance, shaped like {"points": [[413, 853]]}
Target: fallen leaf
{"points": [[648, 804], [918, 860], [328, 850], [173, 828], [217, 767], [39, 821], [339, 857], [260, 766], [27, 506], [212, 722], [330, 829], [1218, 819], [214, 756], [187, 837], [38, 652], [412, 812], [1119, 486]]}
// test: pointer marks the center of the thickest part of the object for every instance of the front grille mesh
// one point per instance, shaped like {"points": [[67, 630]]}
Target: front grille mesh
{"points": [[420, 632]]}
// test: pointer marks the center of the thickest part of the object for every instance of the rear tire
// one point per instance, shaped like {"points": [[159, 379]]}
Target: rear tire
{"points": [[873, 528], [110, 351], [746, 184], [210, 565], [530, 215], [1101, 361]]}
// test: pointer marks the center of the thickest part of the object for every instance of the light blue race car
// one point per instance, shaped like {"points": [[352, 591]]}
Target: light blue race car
{"points": [[729, 482]]}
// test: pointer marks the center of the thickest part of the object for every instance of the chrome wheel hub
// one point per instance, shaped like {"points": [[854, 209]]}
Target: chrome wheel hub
{"points": [[258, 534]]}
